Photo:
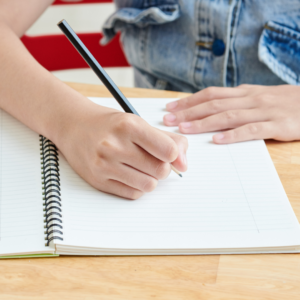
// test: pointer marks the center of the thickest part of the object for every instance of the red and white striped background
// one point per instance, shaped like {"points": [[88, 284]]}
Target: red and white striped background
{"points": [[85, 17]]}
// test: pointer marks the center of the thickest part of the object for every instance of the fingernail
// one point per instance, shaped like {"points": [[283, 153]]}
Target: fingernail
{"points": [[219, 136], [170, 117], [172, 105], [186, 125]]}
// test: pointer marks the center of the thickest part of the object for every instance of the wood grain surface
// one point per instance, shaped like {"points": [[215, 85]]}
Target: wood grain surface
{"points": [[268, 277]]}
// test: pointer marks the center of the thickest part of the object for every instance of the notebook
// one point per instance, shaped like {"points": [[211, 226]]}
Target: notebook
{"points": [[229, 201]]}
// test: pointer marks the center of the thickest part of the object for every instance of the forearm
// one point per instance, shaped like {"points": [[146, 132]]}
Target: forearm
{"points": [[30, 93], [113, 151]]}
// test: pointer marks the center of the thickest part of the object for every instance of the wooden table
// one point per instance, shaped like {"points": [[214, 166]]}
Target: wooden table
{"points": [[275, 276]]}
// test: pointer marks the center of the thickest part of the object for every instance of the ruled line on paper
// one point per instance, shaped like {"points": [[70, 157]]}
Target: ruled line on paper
{"points": [[1, 170], [228, 147], [21, 209], [223, 191]]}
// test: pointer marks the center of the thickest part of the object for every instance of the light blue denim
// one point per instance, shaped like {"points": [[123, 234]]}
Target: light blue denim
{"points": [[172, 43]]}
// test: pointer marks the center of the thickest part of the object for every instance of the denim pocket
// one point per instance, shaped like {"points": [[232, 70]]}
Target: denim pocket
{"points": [[142, 15], [279, 49]]}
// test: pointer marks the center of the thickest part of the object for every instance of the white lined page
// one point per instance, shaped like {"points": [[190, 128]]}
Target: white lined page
{"points": [[21, 204], [230, 197]]}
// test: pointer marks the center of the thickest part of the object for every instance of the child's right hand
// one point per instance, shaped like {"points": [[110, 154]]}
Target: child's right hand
{"points": [[115, 152], [120, 153]]}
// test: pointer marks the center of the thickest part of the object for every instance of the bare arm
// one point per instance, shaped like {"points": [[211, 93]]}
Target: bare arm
{"points": [[28, 91], [113, 151], [20, 15]]}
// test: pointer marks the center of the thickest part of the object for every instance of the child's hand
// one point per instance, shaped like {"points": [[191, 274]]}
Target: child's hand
{"points": [[120, 153], [250, 111]]}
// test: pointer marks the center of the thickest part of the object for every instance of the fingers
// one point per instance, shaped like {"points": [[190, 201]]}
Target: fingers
{"points": [[146, 163], [208, 94], [207, 109], [135, 179], [142, 161], [180, 163], [158, 144], [224, 120], [253, 131], [120, 189], [147, 137]]}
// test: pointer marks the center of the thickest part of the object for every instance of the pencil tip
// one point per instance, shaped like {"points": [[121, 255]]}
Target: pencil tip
{"points": [[180, 175]]}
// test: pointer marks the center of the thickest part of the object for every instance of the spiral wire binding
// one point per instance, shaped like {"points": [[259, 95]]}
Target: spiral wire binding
{"points": [[51, 191]]}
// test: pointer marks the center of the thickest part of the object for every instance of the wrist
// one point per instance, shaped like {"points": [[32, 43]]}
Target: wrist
{"points": [[65, 111], [72, 118]]}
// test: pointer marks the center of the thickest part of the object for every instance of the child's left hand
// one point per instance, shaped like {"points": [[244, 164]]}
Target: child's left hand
{"points": [[250, 112]]}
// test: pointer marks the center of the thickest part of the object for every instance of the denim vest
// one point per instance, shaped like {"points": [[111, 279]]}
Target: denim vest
{"points": [[192, 44]]}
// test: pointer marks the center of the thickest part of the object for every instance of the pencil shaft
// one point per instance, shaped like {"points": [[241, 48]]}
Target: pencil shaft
{"points": [[96, 67], [100, 72]]}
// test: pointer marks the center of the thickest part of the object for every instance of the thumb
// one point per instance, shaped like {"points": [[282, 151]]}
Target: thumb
{"points": [[180, 163]]}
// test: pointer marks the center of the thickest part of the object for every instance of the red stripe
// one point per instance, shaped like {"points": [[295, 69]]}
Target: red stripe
{"points": [[58, 2], [55, 52]]}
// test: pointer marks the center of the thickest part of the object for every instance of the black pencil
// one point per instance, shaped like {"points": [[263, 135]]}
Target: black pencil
{"points": [[100, 72]]}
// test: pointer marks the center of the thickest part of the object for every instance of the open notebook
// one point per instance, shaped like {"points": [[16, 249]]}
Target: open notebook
{"points": [[229, 201]]}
